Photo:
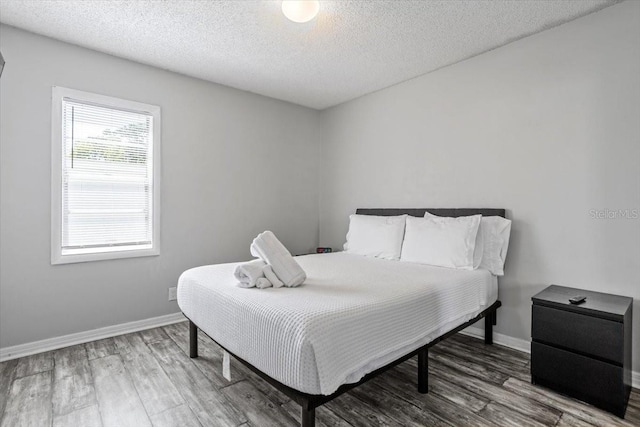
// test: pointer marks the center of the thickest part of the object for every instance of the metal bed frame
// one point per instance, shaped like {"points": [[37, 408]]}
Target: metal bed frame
{"points": [[309, 402]]}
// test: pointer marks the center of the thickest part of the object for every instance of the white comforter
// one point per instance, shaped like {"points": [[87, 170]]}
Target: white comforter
{"points": [[351, 316]]}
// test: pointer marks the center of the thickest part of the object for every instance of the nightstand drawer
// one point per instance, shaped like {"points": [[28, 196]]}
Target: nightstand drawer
{"points": [[591, 380], [592, 336]]}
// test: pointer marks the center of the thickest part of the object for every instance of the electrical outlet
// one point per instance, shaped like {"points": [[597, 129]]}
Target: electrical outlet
{"points": [[173, 293]]}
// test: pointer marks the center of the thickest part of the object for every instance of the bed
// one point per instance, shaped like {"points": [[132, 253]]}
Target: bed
{"points": [[353, 318]]}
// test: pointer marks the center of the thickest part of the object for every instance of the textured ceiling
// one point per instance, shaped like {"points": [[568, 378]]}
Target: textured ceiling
{"points": [[350, 49]]}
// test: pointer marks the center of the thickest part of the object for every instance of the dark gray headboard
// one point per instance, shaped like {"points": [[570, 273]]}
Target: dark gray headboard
{"points": [[455, 212]]}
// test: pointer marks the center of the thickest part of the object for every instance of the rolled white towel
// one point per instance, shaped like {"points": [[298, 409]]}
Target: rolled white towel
{"points": [[249, 273], [269, 274], [262, 283], [268, 248]]}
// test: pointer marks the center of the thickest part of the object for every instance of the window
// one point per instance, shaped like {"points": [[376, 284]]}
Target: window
{"points": [[105, 178]]}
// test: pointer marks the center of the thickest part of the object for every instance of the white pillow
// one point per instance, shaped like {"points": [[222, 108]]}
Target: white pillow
{"points": [[376, 236], [478, 249], [441, 241], [492, 243], [495, 233]]}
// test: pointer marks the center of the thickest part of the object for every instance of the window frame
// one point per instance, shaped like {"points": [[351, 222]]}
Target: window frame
{"points": [[58, 95]]}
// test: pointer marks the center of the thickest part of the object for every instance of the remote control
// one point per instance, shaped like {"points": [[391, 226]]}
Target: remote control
{"points": [[577, 299]]}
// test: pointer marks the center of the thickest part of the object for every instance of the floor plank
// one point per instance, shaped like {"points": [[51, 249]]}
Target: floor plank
{"points": [[101, 348], [452, 413], [396, 408], [258, 408], [478, 346], [66, 360], [153, 335], [565, 404], [180, 416], [406, 374], [633, 415], [324, 416], [634, 398], [567, 420], [503, 416], [209, 360], [122, 344], [481, 372], [118, 400], [267, 389], [29, 402], [135, 343], [7, 375], [494, 364], [353, 411], [34, 364], [179, 333], [396, 382], [155, 389], [532, 409], [85, 417], [206, 401], [72, 381]]}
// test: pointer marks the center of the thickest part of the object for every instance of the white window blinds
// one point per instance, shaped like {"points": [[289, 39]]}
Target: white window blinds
{"points": [[107, 179]]}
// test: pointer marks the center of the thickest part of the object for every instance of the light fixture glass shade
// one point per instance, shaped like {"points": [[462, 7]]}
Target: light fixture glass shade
{"points": [[300, 10]]}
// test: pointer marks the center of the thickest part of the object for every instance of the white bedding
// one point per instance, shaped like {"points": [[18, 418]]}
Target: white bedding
{"points": [[351, 316]]}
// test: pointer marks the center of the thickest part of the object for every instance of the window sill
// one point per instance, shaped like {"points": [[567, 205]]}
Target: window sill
{"points": [[101, 256]]}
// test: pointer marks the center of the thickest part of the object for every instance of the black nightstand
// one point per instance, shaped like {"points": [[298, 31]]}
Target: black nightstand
{"points": [[583, 350]]}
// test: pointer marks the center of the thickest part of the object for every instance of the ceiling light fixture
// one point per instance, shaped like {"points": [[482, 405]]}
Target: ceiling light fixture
{"points": [[300, 10]]}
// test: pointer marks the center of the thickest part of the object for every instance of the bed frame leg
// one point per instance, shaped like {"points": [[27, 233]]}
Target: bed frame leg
{"points": [[489, 321], [193, 340], [308, 414], [423, 370]]}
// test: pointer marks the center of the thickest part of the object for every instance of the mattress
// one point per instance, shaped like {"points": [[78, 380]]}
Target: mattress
{"points": [[352, 315]]}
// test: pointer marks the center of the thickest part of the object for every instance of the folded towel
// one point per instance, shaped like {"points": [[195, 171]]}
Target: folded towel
{"points": [[268, 248], [249, 273], [269, 274], [262, 283]]}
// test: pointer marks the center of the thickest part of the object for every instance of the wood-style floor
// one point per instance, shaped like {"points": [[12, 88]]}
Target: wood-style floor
{"points": [[147, 379]]}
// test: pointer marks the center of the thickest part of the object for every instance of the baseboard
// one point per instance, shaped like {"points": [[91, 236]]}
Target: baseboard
{"points": [[524, 345], [21, 350], [498, 338]]}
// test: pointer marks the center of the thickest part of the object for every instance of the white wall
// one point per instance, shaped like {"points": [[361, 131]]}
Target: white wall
{"points": [[547, 127], [233, 164]]}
